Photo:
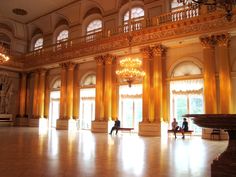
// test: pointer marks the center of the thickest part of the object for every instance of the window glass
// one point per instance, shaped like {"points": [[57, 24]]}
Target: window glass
{"points": [[89, 80], [57, 84], [38, 44], [63, 36], [94, 26], [136, 12]]}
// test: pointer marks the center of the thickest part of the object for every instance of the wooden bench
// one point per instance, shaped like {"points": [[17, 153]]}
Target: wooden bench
{"points": [[6, 118], [189, 132]]}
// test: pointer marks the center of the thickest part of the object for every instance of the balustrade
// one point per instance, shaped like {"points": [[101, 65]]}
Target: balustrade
{"points": [[135, 25]]}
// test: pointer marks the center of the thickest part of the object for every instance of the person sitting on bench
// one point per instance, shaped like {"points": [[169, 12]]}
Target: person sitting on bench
{"points": [[115, 127], [184, 127], [175, 126]]}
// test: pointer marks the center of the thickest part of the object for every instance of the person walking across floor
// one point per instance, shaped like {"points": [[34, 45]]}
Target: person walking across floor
{"points": [[115, 127]]}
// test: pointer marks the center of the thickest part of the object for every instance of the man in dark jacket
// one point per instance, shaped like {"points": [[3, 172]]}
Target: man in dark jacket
{"points": [[116, 126]]}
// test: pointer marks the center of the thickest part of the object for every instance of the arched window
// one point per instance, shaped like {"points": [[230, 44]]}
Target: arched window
{"points": [[136, 13], [186, 68], [62, 36], [38, 44], [5, 41], [186, 95], [56, 85], [94, 27], [89, 80]]}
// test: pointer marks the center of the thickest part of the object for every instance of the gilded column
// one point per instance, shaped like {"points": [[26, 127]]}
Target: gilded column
{"points": [[47, 98], [70, 88], [99, 90], [209, 75], [146, 52], [224, 73], [115, 92], [35, 97], [23, 94], [108, 87], [76, 93], [157, 82], [63, 92], [41, 93]]}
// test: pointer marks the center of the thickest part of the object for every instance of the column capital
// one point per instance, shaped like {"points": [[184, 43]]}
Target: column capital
{"points": [[63, 65], [223, 40], [42, 71], [146, 52], [67, 65], [208, 41], [70, 65], [108, 58], [99, 60], [158, 50]]}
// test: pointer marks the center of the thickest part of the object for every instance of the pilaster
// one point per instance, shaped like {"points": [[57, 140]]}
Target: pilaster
{"points": [[224, 73], [22, 120], [108, 87], [23, 94], [147, 55], [69, 90], [41, 93], [76, 93], [209, 74], [63, 92], [99, 113], [157, 82], [115, 92], [35, 96]]}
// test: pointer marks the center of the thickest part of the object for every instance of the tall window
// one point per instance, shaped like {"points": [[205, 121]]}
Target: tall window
{"points": [[130, 106], [38, 44], [92, 30], [94, 27], [62, 36], [87, 101], [136, 12], [137, 15], [186, 96]]}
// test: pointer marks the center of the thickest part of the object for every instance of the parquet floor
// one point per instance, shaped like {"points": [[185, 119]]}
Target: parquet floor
{"points": [[28, 152]]}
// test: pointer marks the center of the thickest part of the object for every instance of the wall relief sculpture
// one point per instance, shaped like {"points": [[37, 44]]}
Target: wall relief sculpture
{"points": [[6, 92]]}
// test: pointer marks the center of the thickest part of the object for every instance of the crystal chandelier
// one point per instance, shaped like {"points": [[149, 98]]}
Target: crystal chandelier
{"points": [[130, 70], [227, 5], [3, 56]]}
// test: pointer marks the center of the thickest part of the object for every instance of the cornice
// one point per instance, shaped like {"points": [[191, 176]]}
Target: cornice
{"points": [[196, 26]]}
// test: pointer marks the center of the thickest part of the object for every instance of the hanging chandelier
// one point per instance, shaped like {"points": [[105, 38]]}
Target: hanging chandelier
{"points": [[130, 70], [227, 5], [3, 56]]}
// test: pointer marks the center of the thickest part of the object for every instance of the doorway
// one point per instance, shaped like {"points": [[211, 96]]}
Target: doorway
{"points": [[54, 108], [87, 108], [130, 106]]}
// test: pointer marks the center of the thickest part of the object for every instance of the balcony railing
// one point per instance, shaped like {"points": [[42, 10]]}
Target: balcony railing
{"points": [[134, 25]]}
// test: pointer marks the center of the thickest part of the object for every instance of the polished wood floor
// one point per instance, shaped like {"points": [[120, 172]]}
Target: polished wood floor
{"points": [[30, 152]]}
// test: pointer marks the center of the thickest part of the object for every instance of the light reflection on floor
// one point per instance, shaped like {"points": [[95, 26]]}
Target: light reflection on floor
{"points": [[27, 153]]}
